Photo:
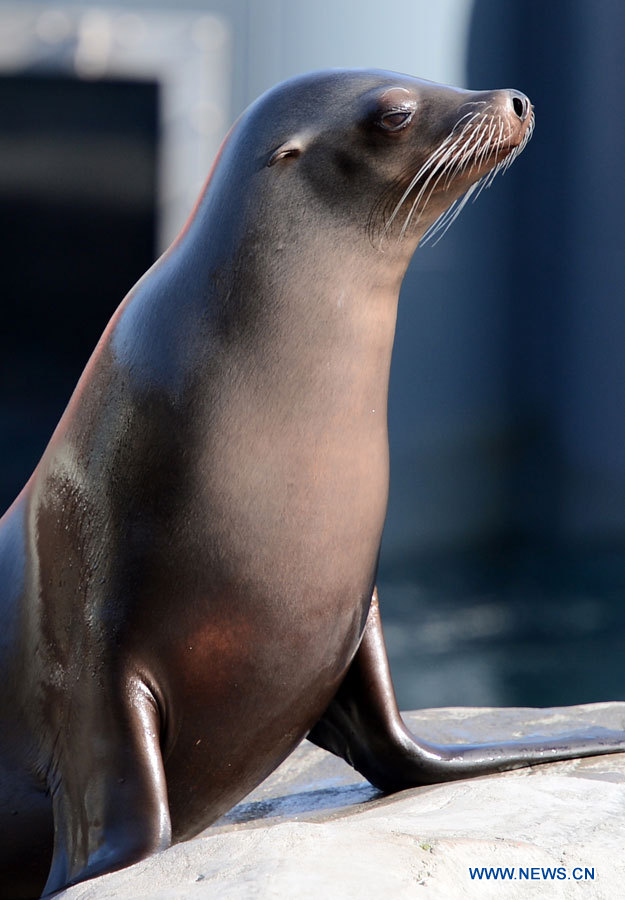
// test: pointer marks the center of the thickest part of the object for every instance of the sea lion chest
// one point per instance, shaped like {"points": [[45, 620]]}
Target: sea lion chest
{"points": [[269, 595], [230, 559]]}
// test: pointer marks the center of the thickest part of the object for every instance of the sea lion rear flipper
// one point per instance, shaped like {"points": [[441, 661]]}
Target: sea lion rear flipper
{"points": [[363, 726], [108, 788]]}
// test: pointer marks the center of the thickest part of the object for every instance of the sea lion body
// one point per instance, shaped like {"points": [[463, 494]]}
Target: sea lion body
{"points": [[187, 577]]}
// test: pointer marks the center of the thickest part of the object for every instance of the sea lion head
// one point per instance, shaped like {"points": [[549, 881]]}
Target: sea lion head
{"points": [[382, 155]]}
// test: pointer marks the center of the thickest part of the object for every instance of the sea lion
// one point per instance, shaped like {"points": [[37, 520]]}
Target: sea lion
{"points": [[187, 578]]}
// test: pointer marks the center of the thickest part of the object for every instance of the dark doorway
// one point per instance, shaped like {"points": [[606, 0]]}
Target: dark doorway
{"points": [[78, 170]]}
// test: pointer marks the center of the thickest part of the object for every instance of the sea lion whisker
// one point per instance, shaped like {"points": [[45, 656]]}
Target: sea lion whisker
{"points": [[437, 160], [494, 147], [469, 146], [475, 103], [459, 157], [481, 145], [484, 153], [486, 181], [461, 119], [434, 174], [507, 162], [500, 165], [440, 151], [465, 159], [479, 151], [518, 150], [494, 141], [445, 221], [473, 137], [454, 151], [499, 139], [426, 165], [472, 145]]}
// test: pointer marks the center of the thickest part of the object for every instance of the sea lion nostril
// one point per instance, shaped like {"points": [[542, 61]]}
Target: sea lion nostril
{"points": [[520, 106]]}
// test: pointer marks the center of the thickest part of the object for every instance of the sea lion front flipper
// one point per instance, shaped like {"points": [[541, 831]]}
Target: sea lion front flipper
{"points": [[110, 795], [363, 726]]}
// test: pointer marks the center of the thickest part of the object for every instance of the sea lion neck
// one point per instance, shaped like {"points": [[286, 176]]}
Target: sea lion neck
{"points": [[288, 302], [317, 326]]}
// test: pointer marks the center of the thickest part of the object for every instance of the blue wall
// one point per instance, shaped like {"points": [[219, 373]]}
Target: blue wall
{"points": [[508, 400]]}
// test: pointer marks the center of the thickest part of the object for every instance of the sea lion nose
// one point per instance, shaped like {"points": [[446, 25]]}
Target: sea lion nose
{"points": [[520, 104]]}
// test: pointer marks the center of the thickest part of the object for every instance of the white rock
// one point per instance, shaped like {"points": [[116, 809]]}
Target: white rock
{"points": [[316, 830]]}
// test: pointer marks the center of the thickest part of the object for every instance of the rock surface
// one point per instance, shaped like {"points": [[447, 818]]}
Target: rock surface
{"points": [[315, 829]]}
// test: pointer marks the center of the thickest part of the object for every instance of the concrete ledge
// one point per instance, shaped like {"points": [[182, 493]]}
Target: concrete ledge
{"points": [[316, 829]]}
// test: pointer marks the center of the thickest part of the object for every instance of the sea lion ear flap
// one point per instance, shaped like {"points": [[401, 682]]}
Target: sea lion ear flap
{"points": [[292, 147]]}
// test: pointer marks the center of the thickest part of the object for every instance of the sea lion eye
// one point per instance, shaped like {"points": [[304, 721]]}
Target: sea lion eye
{"points": [[392, 110], [396, 119]]}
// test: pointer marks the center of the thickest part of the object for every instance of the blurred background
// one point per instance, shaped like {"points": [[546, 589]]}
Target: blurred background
{"points": [[503, 566]]}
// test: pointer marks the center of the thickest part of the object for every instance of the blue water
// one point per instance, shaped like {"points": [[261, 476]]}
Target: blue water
{"points": [[523, 627]]}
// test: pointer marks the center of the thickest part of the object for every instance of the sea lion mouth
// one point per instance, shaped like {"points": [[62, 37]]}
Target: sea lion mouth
{"points": [[483, 142]]}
